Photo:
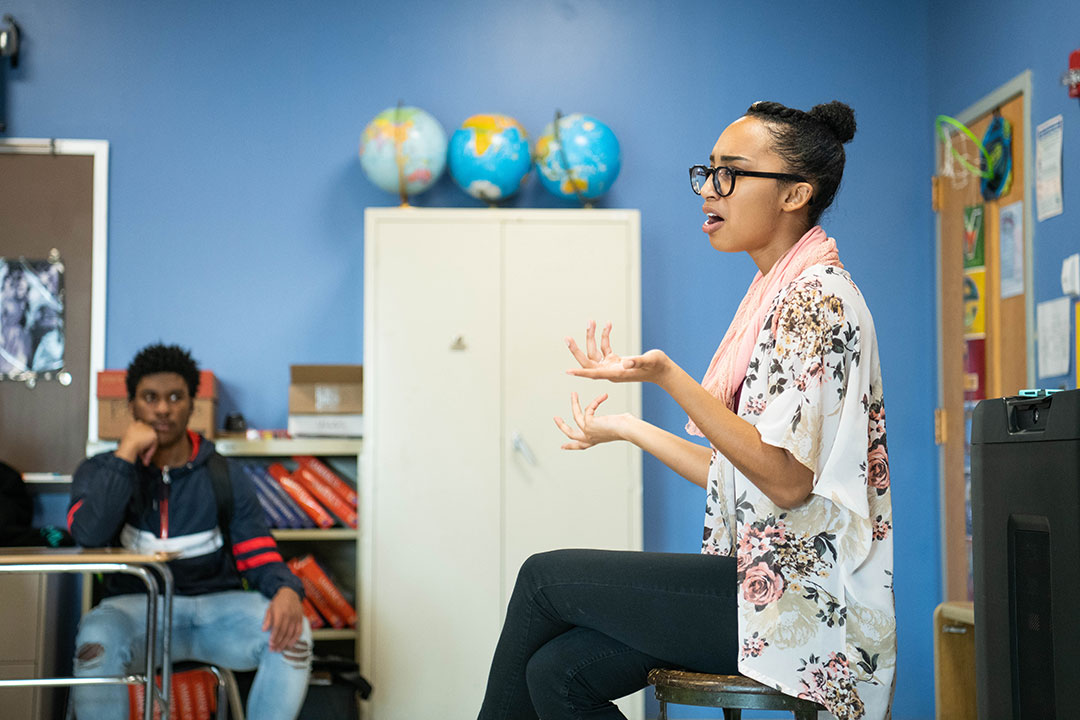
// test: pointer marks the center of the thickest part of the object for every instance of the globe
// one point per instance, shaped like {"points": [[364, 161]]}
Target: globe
{"points": [[489, 156], [417, 137], [591, 150]]}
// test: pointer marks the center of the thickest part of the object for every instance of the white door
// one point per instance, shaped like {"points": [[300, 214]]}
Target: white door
{"points": [[435, 442], [558, 275]]}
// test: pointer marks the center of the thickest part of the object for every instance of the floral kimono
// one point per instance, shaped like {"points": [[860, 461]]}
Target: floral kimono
{"points": [[816, 611]]}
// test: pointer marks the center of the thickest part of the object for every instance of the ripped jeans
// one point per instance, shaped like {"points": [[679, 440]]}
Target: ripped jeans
{"points": [[222, 628]]}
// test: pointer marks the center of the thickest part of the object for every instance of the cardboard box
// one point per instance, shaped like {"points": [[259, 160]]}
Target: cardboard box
{"points": [[326, 425], [326, 389], [114, 412], [113, 384]]}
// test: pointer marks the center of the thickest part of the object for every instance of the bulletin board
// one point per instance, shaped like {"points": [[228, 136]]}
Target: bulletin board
{"points": [[53, 210]]}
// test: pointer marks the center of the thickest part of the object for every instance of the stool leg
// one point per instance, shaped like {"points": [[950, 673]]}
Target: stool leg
{"points": [[732, 714], [663, 711]]}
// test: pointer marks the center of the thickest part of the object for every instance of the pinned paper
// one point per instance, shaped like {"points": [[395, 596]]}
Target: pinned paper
{"points": [[1011, 229], [1048, 168], [1052, 318]]}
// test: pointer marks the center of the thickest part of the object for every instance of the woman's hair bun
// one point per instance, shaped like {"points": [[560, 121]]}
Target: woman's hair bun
{"points": [[838, 117]]}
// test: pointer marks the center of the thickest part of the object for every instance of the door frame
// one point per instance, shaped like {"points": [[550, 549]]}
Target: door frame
{"points": [[99, 151], [1019, 85]]}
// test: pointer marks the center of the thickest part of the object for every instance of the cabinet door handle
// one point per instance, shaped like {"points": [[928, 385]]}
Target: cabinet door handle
{"points": [[522, 447]]}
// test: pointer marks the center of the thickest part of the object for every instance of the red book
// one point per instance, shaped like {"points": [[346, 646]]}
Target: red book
{"points": [[302, 497], [314, 618], [318, 599], [306, 567], [336, 484], [321, 490]]}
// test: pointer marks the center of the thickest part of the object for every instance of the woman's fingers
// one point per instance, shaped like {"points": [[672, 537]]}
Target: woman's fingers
{"points": [[605, 340], [577, 437], [591, 410], [567, 430], [590, 342], [582, 358], [575, 407]]}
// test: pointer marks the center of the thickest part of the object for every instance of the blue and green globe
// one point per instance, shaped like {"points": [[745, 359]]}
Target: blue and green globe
{"points": [[489, 156], [590, 149], [417, 137]]}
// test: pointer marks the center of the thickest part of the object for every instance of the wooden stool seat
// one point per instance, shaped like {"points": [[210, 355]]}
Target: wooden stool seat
{"points": [[733, 693]]}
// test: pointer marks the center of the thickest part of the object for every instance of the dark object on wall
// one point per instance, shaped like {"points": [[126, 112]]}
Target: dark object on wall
{"points": [[9, 48], [1025, 501]]}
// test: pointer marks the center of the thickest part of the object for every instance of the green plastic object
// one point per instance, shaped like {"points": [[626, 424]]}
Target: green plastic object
{"points": [[947, 120]]}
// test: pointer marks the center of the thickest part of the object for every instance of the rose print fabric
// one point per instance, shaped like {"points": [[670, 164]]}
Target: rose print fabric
{"points": [[816, 611]]}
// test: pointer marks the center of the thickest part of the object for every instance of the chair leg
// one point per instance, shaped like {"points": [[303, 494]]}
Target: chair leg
{"points": [[228, 694], [732, 714], [663, 711]]}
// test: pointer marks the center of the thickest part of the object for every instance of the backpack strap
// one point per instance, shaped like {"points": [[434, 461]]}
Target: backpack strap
{"points": [[223, 495]]}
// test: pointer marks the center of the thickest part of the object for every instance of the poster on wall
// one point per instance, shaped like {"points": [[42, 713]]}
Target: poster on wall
{"points": [[974, 369], [1048, 144], [1011, 223], [974, 303], [1052, 321], [31, 319], [974, 255]]}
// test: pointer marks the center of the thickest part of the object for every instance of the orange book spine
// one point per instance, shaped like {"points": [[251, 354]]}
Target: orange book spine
{"points": [[314, 618], [310, 569], [322, 492], [318, 599], [302, 497], [336, 484]]}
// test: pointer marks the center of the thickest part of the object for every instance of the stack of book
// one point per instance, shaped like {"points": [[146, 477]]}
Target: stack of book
{"points": [[310, 496], [324, 602]]}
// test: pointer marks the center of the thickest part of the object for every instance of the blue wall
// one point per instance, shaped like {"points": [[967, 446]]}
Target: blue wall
{"points": [[1038, 39], [236, 197]]}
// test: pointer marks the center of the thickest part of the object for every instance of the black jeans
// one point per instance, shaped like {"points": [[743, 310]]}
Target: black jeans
{"points": [[584, 627]]}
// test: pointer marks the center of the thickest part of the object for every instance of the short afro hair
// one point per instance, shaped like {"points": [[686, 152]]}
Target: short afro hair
{"points": [[161, 358]]}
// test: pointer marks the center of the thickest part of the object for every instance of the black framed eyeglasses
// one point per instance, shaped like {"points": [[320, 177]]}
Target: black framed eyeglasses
{"points": [[723, 177]]}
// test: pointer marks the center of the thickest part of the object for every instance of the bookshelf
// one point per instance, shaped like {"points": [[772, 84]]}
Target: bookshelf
{"points": [[336, 548]]}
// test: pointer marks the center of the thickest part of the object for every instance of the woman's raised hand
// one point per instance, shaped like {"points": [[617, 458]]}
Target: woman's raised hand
{"points": [[591, 430], [603, 364]]}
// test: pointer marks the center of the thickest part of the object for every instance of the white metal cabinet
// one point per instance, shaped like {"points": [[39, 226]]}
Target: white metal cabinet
{"points": [[465, 314]]}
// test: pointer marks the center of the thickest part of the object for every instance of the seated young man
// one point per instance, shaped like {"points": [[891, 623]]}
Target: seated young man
{"points": [[156, 493]]}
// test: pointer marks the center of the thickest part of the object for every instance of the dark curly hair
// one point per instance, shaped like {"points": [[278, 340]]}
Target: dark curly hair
{"points": [[162, 358], [812, 145]]}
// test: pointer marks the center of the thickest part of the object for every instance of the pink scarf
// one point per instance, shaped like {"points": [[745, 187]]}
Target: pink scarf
{"points": [[728, 367]]}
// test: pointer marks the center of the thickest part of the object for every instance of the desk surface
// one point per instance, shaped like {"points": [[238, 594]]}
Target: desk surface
{"points": [[75, 556]]}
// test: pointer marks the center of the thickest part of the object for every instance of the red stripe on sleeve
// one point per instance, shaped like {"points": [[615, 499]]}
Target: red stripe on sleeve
{"points": [[260, 559], [253, 544], [71, 513]]}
